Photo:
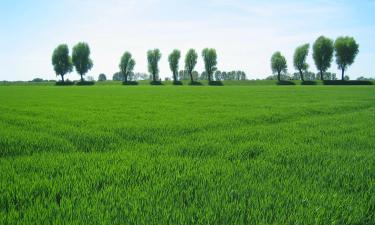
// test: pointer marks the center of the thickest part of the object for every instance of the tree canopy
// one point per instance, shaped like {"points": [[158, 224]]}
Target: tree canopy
{"points": [[81, 58], [299, 59], [174, 59], [190, 62], [153, 57], [126, 65], [322, 54], [278, 64], [61, 61], [346, 49], [210, 61], [102, 77]]}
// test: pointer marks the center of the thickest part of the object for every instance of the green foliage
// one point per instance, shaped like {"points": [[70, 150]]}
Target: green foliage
{"points": [[127, 64], [102, 77], [346, 49], [174, 59], [210, 61], [278, 64], [81, 59], [153, 57], [322, 54], [299, 59], [146, 155], [61, 61], [190, 62]]}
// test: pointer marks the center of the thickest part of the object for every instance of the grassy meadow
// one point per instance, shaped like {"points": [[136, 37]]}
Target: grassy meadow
{"points": [[258, 154]]}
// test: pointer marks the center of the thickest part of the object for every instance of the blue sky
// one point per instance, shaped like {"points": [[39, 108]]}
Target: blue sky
{"points": [[244, 32]]}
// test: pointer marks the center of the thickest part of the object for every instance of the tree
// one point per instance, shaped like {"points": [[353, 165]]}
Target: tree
{"points": [[81, 59], [61, 61], [126, 65], [190, 62], [117, 76], [102, 77], [173, 59], [210, 61], [153, 57], [278, 64], [322, 54], [346, 49], [299, 59]]}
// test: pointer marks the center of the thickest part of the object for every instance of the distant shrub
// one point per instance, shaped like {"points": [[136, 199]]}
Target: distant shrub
{"points": [[347, 82], [285, 82], [130, 83], [156, 82], [85, 83], [215, 83], [309, 82], [177, 82], [65, 83], [195, 83], [37, 80]]}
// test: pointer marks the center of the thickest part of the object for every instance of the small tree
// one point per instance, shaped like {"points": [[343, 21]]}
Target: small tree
{"points": [[322, 54], [346, 49], [126, 65], [210, 61], [299, 59], [61, 61], [173, 59], [278, 64], [102, 77], [81, 59], [190, 62], [153, 57]]}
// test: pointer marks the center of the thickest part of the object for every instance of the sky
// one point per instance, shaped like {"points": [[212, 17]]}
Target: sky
{"points": [[245, 33]]}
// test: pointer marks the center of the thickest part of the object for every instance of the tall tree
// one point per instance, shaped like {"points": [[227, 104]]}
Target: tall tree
{"points": [[153, 57], [126, 65], [322, 54], [210, 61], [81, 59], [61, 61], [190, 62], [346, 49], [278, 64], [299, 59], [174, 59]]}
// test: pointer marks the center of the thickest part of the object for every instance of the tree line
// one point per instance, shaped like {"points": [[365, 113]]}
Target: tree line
{"points": [[345, 49]]}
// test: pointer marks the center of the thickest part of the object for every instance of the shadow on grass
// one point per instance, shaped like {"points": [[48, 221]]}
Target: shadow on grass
{"points": [[309, 82], [65, 83], [347, 82], [156, 82], [177, 82], [216, 83], [129, 83], [285, 82], [195, 83]]}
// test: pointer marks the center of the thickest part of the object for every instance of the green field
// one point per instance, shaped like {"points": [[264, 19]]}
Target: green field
{"points": [[110, 154]]}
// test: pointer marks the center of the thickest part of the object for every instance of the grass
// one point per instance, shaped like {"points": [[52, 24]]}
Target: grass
{"points": [[110, 154]]}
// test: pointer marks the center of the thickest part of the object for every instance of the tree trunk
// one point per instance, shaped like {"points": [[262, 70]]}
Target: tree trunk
{"points": [[62, 78], [174, 76], [191, 77], [278, 76], [321, 75], [154, 77], [126, 78], [209, 77], [81, 78], [342, 74], [301, 73]]}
